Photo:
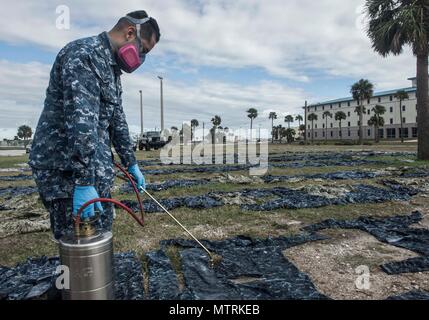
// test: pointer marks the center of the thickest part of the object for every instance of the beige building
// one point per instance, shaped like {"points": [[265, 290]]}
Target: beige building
{"points": [[350, 126]]}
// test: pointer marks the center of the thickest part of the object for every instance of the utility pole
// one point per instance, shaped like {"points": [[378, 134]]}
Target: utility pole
{"points": [[141, 114], [162, 104], [203, 134]]}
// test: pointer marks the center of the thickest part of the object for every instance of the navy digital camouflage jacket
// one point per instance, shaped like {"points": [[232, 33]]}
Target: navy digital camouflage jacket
{"points": [[82, 115]]}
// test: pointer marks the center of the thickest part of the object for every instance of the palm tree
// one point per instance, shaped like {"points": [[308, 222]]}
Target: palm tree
{"points": [[361, 91], [392, 26], [272, 116], [290, 135], [216, 120], [326, 115], [401, 95], [312, 117], [340, 116], [194, 124], [299, 118], [252, 113], [288, 120], [282, 132], [25, 132], [378, 120]]}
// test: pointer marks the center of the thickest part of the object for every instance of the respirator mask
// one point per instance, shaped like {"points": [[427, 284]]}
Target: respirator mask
{"points": [[131, 55]]}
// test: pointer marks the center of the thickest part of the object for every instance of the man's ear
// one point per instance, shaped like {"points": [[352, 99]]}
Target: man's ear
{"points": [[130, 33]]}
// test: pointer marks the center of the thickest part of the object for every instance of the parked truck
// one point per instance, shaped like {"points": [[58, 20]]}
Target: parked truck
{"points": [[152, 140]]}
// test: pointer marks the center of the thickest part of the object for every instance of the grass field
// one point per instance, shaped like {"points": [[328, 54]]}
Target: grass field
{"points": [[230, 220]]}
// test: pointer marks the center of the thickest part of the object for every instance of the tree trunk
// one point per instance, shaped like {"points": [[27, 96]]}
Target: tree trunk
{"points": [[422, 106], [400, 121], [272, 132], [312, 132], [341, 134], [360, 124]]}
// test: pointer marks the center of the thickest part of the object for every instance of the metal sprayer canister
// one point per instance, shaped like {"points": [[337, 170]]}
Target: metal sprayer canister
{"points": [[90, 263]]}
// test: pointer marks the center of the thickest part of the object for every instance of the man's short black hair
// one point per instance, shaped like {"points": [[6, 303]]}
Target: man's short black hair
{"points": [[147, 30]]}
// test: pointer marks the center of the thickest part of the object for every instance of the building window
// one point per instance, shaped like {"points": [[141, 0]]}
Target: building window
{"points": [[414, 132], [332, 125], [391, 120], [308, 126], [315, 126], [349, 133], [315, 108], [379, 99], [404, 134], [332, 134], [348, 104], [403, 108], [391, 133], [315, 134], [369, 111], [381, 133], [348, 124], [358, 123], [339, 105], [404, 120], [369, 101], [323, 126], [323, 108], [330, 106], [348, 114], [391, 98], [309, 134], [391, 109], [369, 132]]}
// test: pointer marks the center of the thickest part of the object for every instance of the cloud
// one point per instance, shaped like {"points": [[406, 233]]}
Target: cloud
{"points": [[22, 88], [289, 39]]}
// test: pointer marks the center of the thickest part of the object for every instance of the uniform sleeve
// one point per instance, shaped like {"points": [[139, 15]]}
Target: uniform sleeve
{"points": [[81, 110], [121, 138]]}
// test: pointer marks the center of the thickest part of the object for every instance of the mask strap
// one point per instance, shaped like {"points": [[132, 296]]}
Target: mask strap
{"points": [[137, 21]]}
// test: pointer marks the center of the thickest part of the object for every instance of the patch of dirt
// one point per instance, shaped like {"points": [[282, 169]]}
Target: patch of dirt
{"points": [[331, 191], [332, 264], [240, 179]]}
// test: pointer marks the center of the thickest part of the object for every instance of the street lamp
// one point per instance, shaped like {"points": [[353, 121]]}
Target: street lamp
{"points": [[141, 114], [162, 104]]}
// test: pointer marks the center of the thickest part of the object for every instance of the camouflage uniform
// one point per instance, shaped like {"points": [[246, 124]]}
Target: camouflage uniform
{"points": [[82, 117]]}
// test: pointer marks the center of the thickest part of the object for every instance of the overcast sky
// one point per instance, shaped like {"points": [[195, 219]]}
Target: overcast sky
{"points": [[216, 57]]}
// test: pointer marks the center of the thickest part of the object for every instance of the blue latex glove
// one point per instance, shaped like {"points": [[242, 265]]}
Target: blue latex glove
{"points": [[83, 194], [135, 172]]}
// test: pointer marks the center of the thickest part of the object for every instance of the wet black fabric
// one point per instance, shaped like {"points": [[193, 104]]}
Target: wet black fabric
{"points": [[16, 191], [182, 183], [163, 283], [392, 230], [35, 279], [395, 231], [279, 198], [250, 269], [411, 295], [417, 264], [19, 177]]}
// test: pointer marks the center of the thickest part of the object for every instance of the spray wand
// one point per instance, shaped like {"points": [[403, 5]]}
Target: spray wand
{"points": [[215, 259]]}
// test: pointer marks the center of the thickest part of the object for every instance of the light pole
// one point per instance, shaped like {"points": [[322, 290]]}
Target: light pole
{"points": [[162, 104], [141, 114]]}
